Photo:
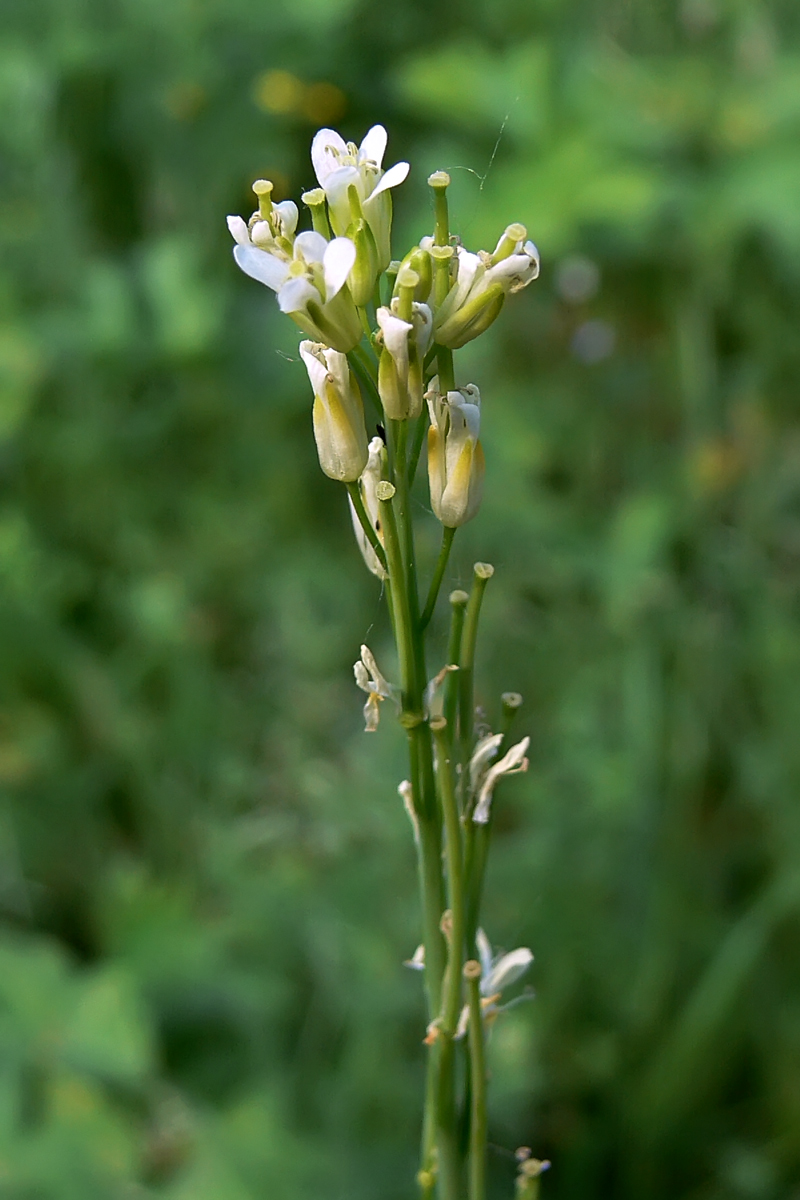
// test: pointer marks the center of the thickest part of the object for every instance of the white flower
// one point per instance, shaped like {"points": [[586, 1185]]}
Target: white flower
{"points": [[271, 227], [433, 700], [371, 681], [406, 793], [340, 165], [498, 972], [512, 763], [482, 283], [482, 755], [370, 478], [417, 960], [309, 284], [338, 413], [456, 464]]}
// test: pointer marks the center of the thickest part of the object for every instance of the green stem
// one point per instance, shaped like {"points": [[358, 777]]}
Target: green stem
{"points": [[420, 756], [441, 566], [451, 999], [365, 325], [482, 573], [458, 603], [354, 492], [478, 837], [451, 1003], [478, 1114], [447, 378], [416, 446]]}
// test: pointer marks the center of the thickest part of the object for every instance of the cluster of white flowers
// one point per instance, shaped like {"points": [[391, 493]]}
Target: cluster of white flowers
{"points": [[327, 280]]}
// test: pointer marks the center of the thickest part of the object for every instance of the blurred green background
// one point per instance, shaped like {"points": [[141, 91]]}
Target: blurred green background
{"points": [[206, 877]]}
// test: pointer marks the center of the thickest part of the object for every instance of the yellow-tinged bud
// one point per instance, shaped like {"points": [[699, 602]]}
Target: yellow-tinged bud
{"points": [[473, 319], [482, 282], [456, 464], [338, 413]]}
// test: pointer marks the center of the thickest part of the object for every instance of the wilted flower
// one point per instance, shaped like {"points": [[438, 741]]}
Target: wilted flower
{"points": [[371, 681], [370, 478], [310, 283], [512, 763], [338, 413], [481, 285], [455, 456], [340, 166], [498, 972]]}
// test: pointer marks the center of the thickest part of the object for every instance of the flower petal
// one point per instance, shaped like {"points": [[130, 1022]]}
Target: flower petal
{"points": [[325, 150], [485, 952], [362, 676], [238, 230], [266, 268], [392, 178], [317, 370], [395, 334], [337, 264], [507, 971], [373, 147], [287, 211], [295, 294], [310, 246]]}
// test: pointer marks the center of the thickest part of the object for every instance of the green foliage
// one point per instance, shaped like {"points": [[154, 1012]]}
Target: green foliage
{"points": [[205, 874]]}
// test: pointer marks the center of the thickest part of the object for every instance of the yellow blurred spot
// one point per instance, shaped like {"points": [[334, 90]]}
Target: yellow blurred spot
{"points": [[184, 100], [324, 102], [71, 1099], [15, 765], [715, 465], [279, 92], [742, 125]]}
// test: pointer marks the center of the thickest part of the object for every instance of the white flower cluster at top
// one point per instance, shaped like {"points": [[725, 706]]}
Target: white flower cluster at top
{"points": [[328, 280]]}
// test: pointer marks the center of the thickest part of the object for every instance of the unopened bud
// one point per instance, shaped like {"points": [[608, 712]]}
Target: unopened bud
{"points": [[473, 318], [455, 457], [338, 413]]}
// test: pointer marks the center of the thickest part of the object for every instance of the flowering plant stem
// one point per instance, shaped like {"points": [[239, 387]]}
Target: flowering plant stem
{"points": [[437, 299]]}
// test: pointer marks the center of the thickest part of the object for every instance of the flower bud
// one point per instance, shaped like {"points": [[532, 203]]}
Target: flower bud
{"points": [[338, 413], [482, 283], [455, 455], [406, 332]]}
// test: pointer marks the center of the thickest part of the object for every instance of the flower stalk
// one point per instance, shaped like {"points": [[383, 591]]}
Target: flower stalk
{"points": [[387, 329]]}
